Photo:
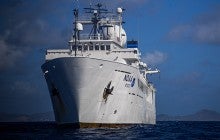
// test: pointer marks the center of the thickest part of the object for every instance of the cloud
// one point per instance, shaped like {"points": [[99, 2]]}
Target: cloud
{"points": [[204, 29], [154, 58], [23, 87], [8, 56], [190, 79], [25, 26]]}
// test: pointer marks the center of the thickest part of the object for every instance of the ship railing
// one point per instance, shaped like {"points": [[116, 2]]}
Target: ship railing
{"points": [[106, 20], [91, 37], [57, 51], [100, 37]]}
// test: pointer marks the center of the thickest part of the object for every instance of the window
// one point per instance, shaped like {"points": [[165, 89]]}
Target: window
{"points": [[90, 48], [108, 47], [85, 47], [74, 47], [102, 47], [79, 48], [135, 51], [96, 47]]}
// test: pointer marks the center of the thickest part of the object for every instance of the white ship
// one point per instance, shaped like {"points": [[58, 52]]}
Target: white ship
{"points": [[100, 80]]}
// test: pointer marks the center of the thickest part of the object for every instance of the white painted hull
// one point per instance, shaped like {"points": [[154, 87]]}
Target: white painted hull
{"points": [[76, 86]]}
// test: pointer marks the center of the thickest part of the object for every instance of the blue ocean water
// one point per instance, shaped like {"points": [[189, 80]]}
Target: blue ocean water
{"points": [[162, 130]]}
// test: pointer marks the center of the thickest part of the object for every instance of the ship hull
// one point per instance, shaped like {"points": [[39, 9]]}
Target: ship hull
{"points": [[92, 92]]}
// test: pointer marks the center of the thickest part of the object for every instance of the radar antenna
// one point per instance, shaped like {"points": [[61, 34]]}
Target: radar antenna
{"points": [[96, 11]]}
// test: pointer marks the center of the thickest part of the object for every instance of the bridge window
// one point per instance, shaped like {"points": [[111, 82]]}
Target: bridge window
{"points": [[108, 47], [97, 47], [85, 48], [90, 48], [102, 47], [79, 48]]}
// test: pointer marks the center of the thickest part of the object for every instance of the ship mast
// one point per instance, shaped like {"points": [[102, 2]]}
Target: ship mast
{"points": [[99, 24], [76, 13], [96, 19]]}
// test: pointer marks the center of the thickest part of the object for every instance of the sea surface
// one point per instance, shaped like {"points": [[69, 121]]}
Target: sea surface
{"points": [[162, 130]]}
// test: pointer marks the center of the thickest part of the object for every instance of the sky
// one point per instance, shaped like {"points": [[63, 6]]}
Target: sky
{"points": [[179, 37]]}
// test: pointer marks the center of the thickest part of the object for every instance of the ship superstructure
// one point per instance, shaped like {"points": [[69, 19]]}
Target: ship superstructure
{"points": [[100, 80]]}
